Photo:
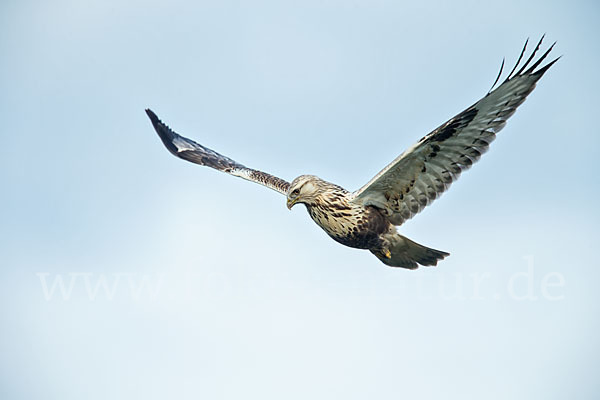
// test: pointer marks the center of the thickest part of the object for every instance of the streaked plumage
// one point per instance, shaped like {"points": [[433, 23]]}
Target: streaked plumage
{"points": [[367, 218]]}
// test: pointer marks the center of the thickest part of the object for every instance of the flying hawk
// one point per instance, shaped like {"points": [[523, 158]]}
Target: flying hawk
{"points": [[367, 218]]}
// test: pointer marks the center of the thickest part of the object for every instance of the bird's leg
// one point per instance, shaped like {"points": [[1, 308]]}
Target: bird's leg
{"points": [[383, 252], [384, 246]]}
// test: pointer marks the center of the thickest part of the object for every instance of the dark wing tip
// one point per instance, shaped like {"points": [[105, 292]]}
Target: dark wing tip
{"points": [[540, 72], [152, 116], [531, 69], [498, 77], [164, 132]]}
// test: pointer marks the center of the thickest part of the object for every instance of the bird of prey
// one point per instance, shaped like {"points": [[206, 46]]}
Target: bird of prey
{"points": [[368, 217]]}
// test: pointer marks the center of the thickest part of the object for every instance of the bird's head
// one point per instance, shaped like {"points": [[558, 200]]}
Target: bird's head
{"points": [[303, 189]]}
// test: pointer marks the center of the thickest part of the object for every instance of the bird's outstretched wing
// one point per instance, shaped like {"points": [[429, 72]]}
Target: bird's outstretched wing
{"points": [[423, 172], [198, 154]]}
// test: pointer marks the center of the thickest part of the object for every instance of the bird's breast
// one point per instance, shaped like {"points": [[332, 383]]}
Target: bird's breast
{"points": [[349, 224]]}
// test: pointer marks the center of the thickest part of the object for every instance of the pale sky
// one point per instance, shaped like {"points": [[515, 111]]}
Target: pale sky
{"points": [[182, 282]]}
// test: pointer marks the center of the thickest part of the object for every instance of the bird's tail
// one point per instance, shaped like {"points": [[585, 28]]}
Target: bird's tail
{"points": [[405, 253]]}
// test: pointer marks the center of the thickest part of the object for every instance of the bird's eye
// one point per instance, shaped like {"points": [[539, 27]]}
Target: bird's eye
{"points": [[295, 192]]}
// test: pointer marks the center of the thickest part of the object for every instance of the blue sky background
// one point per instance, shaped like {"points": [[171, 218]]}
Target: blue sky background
{"points": [[181, 282]]}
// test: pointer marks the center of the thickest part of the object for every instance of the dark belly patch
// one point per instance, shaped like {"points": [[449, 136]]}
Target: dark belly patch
{"points": [[355, 227]]}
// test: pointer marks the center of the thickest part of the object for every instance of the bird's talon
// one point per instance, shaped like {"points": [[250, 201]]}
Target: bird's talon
{"points": [[387, 253]]}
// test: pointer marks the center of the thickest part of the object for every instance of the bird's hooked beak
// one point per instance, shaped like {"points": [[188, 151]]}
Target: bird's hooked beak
{"points": [[290, 203]]}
